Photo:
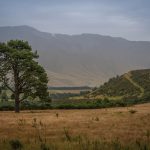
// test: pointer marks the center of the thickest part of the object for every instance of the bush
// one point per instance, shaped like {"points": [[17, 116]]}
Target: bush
{"points": [[16, 144], [6, 107], [25, 106], [132, 111], [36, 105], [44, 147]]}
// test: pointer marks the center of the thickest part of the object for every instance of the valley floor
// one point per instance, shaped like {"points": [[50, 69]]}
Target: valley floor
{"points": [[124, 124]]}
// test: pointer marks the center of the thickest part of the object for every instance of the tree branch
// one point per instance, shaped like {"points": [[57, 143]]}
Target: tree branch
{"points": [[22, 99], [5, 83], [9, 88]]}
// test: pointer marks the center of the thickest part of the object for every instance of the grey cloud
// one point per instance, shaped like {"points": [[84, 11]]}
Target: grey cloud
{"points": [[128, 19]]}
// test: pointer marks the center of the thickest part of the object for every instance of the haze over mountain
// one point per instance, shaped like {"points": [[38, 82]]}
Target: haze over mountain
{"points": [[85, 59]]}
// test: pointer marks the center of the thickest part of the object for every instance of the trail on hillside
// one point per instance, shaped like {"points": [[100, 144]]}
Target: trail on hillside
{"points": [[128, 77]]}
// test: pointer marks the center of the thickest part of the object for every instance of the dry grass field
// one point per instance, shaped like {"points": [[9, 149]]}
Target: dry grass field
{"points": [[126, 125]]}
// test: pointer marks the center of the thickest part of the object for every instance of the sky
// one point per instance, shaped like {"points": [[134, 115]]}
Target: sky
{"points": [[129, 19]]}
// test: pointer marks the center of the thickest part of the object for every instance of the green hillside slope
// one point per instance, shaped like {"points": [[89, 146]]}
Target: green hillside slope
{"points": [[130, 78], [142, 78], [132, 84]]}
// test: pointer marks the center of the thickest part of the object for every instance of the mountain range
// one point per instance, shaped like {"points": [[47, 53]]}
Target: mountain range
{"points": [[84, 59]]}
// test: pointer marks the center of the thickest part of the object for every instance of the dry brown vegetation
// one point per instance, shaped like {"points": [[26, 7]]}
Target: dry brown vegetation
{"points": [[126, 124]]}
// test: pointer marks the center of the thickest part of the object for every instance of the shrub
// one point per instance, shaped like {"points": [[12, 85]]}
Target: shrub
{"points": [[6, 107], [132, 111], [44, 147], [16, 144]]}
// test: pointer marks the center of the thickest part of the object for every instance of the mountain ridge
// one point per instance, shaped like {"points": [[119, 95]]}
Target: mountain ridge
{"points": [[29, 28], [84, 59]]}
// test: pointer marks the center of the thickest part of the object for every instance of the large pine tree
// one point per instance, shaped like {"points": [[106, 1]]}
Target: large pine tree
{"points": [[21, 73]]}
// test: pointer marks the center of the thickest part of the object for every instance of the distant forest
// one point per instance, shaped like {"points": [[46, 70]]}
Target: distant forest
{"points": [[70, 88]]}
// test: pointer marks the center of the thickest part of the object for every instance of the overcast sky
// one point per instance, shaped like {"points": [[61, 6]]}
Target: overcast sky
{"points": [[122, 18]]}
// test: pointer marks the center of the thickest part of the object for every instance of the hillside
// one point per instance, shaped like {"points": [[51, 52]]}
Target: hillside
{"points": [[85, 59], [132, 84]]}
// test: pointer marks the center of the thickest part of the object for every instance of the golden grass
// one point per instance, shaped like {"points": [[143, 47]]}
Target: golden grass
{"points": [[94, 123]]}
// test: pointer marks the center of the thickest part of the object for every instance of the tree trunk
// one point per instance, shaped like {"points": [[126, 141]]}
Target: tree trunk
{"points": [[17, 103], [16, 93]]}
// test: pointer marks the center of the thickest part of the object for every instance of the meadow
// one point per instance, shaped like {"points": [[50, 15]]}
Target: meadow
{"points": [[85, 129]]}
